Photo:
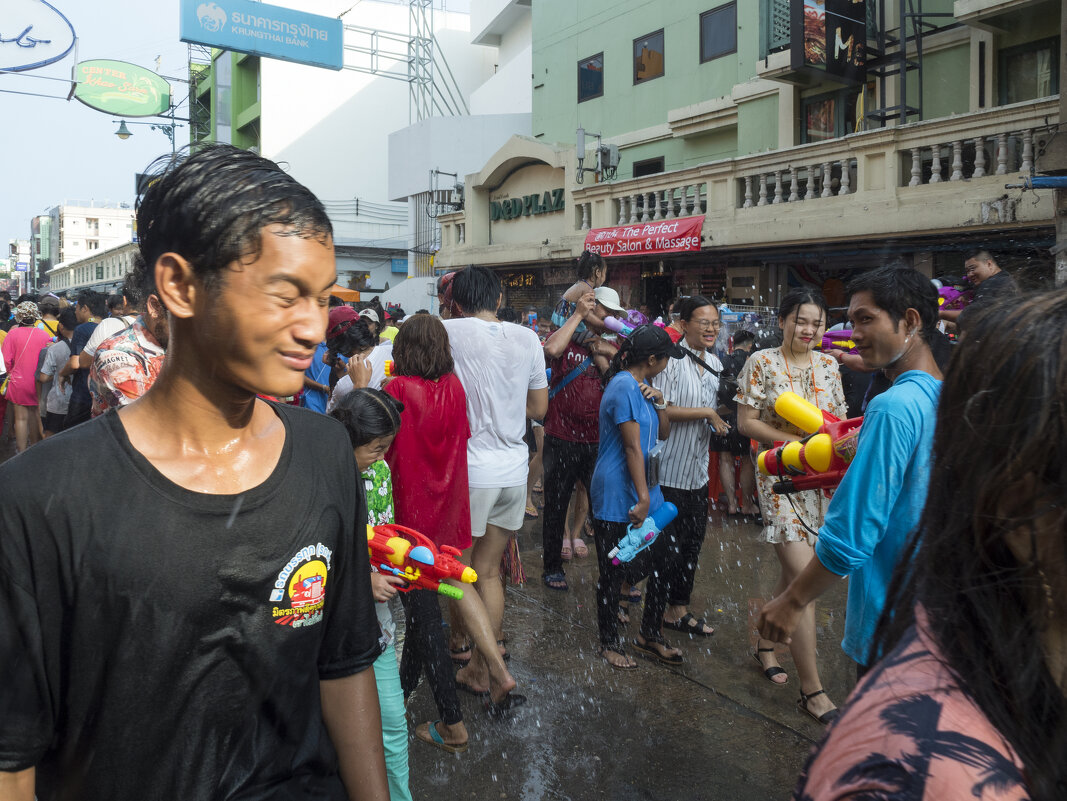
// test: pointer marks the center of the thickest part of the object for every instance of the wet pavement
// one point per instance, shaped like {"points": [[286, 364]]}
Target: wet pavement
{"points": [[712, 729]]}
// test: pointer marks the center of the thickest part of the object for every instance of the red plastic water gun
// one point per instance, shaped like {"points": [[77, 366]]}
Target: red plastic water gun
{"points": [[819, 460], [406, 553]]}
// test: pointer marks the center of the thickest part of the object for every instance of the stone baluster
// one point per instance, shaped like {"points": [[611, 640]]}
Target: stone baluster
{"points": [[777, 187], [957, 161], [748, 193], [1002, 154], [979, 157], [669, 196], [659, 199], [685, 200], [935, 166], [645, 216], [701, 205], [762, 189], [622, 211], [810, 194], [585, 216], [1028, 152], [794, 185], [827, 191], [916, 167], [633, 210], [846, 177]]}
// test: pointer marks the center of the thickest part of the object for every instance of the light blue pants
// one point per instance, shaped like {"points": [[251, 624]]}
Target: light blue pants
{"points": [[394, 724]]}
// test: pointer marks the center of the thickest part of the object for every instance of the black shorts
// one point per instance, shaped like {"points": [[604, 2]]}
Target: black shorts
{"points": [[733, 442], [54, 423]]}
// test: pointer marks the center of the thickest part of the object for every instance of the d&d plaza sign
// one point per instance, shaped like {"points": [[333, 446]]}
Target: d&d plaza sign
{"points": [[513, 208]]}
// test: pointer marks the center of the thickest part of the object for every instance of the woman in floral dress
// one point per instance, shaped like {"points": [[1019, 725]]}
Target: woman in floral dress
{"points": [[791, 522]]}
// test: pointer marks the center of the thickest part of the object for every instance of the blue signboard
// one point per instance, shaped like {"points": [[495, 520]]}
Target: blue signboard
{"points": [[264, 30], [22, 266]]}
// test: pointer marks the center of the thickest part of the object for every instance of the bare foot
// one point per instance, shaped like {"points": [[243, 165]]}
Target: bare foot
{"points": [[472, 679], [499, 688], [617, 659], [768, 660]]}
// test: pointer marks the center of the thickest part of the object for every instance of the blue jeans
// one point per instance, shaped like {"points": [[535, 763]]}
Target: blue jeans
{"points": [[394, 724]]}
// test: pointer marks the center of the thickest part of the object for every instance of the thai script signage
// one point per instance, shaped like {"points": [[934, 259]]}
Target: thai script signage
{"points": [[33, 34], [829, 37], [264, 30], [22, 266], [117, 87], [513, 208], [670, 236]]}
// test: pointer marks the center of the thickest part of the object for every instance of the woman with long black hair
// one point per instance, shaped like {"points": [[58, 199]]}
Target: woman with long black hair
{"points": [[968, 699], [633, 415]]}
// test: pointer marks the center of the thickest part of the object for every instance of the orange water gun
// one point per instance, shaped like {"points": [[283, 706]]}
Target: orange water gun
{"points": [[819, 460], [404, 552]]}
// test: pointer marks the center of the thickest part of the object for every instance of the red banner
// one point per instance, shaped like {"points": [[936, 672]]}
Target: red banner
{"points": [[641, 239]]}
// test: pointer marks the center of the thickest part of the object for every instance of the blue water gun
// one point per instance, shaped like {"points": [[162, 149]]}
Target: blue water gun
{"points": [[638, 538], [618, 326]]}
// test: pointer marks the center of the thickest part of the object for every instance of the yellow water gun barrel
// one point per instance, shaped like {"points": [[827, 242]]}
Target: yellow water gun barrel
{"points": [[803, 414]]}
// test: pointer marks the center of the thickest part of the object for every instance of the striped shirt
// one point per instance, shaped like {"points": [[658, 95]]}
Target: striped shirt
{"points": [[684, 383]]}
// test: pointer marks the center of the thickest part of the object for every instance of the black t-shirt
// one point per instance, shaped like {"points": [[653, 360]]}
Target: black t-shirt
{"points": [[162, 643], [991, 290], [79, 382]]}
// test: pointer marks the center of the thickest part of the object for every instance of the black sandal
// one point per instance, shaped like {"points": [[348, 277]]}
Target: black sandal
{"points": [[825, 717], [688, 624], [770, 672], [648, 648]]}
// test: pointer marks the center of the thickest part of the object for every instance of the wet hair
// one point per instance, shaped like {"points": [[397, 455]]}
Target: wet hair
{"points": [[115, 301], [68, 318], [422, 311], [742, 336], [986, 607], [421, 349], [211, 206], [980, 255], [644, 341], [49, 305], [506, 314], [354, 338], [368, 414], [796, 298], [334, 301], [589, 263], [397, 313], [139, 284], [94, 301], [476, 289], [686, 306], [897, 289]]}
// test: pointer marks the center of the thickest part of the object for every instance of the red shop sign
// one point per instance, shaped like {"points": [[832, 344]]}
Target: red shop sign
{"points": [[640, 239]]}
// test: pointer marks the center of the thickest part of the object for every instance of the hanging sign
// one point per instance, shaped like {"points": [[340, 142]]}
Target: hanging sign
{"points": [[641, 239], [829, 38], [120, 88], [33, 33], [264, 30]]}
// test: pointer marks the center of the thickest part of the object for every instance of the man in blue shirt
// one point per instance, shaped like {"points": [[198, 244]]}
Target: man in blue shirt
{"points": [[879, 502]]}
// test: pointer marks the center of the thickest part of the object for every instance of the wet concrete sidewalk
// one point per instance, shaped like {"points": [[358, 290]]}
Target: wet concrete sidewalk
{"points": [[713, 729]]}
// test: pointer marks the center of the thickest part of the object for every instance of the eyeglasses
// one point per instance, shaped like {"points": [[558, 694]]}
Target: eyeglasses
{"points": [[704, 325]]}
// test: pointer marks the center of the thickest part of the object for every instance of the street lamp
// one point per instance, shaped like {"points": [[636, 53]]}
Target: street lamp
{"points": [[125, 133]]}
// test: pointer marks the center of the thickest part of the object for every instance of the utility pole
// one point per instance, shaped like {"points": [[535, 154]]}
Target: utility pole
{"points": [[1060, 201]]}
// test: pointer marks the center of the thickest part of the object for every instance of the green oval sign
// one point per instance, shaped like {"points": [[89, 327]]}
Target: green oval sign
{"points": [[121, 88]]}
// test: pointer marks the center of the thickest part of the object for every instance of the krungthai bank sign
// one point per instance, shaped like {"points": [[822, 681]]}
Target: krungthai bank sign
{"points": [[264, 30]]}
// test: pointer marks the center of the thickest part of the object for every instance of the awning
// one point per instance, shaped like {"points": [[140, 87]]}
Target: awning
{"points": [[641, 239], [344, 293]]}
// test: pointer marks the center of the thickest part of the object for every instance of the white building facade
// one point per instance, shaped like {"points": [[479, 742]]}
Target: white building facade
{"points": [[103, 271]]}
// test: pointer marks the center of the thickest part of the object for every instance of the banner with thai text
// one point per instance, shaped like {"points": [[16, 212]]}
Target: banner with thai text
{"points": [[641, 239]]}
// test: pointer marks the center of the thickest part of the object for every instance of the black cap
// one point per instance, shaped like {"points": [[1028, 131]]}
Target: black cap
{"points": [[651, 340]]}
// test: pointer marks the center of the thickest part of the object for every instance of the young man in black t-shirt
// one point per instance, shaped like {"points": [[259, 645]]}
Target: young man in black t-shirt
{"points": [[212, 641]]}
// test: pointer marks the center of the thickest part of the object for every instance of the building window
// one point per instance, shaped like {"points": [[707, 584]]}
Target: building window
{"points": [[93, 225], [591, 77], [648, 57], [92, 244], [1029, 71], [829, 116], [718, 32], [648, 167]]}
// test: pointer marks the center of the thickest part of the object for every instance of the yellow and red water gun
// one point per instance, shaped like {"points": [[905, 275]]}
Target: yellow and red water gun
{"points": [[819, 460], [404, 552]]}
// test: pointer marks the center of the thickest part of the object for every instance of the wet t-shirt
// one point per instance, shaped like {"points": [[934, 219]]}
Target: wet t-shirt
{"points": [[159, 643], [574, 411]]}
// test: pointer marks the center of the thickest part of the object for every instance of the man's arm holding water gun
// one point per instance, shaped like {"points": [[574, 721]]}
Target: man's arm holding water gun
{"points": [[855, 523]]}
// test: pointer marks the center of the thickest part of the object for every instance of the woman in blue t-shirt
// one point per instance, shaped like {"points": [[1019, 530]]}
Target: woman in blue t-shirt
{"points": [[632, 417]]}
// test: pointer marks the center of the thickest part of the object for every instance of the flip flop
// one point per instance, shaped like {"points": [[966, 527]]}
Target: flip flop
{"points": [[459, 660], [500, 709], [649, 650], [433, 737], [531, 512], [462, 685], [557, 579], [687, 624], [635, 596], [580, 548], [565, 553], [615, 649]]}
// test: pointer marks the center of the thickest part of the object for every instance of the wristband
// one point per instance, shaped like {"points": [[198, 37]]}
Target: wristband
{"points": [[659, 407]]}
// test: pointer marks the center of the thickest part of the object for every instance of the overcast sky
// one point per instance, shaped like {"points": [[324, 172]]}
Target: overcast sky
{"points": [[52, 150]]}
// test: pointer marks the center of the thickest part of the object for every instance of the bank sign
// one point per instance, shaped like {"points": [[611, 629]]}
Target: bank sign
{"points": [[264, 30], [515, 207]]}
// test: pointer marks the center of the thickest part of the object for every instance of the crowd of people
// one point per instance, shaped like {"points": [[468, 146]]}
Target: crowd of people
{"points": [[234, 598]]}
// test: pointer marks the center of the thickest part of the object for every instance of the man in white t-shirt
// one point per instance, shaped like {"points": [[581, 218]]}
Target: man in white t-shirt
{"points": [[502, 369], [130, 308]]}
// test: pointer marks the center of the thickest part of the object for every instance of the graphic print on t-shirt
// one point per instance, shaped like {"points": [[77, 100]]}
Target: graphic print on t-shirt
{"points": [[303, 579]]}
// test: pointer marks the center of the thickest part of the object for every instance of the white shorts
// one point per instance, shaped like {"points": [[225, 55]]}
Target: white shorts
{"points": [[503, 507]]}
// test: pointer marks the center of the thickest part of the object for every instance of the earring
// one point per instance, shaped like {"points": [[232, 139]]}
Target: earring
{"points": [[1050, 606]]}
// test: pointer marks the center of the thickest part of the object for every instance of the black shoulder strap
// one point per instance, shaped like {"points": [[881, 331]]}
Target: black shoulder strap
{"points": [[702, 363]]}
